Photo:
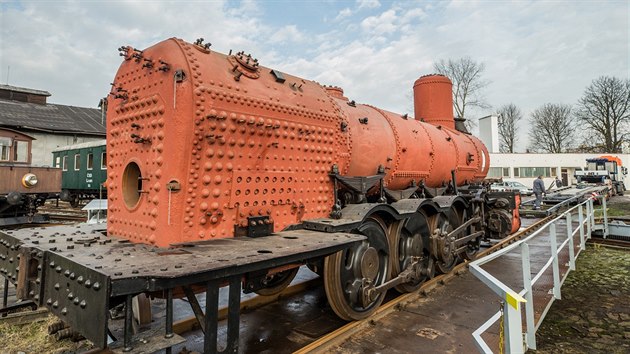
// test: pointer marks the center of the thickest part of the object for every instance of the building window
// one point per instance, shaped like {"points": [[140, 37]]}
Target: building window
{"points": [[90, 161], [525, 172], [20, 151], [506, 172], [77, 162], [494, 172], [57, 161], [64, 163], [554, 172], [103, 160]]}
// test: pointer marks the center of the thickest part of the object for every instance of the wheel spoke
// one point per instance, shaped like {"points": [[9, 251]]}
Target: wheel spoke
{"points": [[411, 240]]}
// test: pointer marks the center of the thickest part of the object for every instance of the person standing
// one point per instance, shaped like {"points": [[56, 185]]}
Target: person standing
{"points": [[558, 182], [539, 190]]}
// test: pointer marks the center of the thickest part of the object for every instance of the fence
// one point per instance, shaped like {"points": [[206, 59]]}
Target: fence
{"points": [[514, 339]]}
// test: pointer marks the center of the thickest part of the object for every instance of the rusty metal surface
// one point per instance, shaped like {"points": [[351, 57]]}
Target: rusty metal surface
{"points": [[126, 263]]}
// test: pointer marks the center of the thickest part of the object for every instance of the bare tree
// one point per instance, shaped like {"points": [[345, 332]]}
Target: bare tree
{"points": [[552, 128], [466, 75], [509, 116], [605, 110]]}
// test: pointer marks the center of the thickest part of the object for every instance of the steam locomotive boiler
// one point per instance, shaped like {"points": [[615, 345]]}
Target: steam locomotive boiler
{"points": [[222, 171], [204, 145]]}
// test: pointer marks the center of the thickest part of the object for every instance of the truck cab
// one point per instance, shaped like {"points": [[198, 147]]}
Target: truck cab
{"points": [[604, 170]]}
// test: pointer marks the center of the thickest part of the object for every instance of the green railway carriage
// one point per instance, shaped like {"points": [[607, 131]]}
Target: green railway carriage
{"points": [[84, 169]]}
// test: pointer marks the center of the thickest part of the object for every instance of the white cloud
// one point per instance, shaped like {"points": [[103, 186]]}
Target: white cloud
{"points": [[343, 14], [385, 23], [287, 34], [368, 4], [413, 14]]}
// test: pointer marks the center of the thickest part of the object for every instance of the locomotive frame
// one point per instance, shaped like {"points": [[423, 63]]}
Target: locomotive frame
{"points": [[365, 220]]}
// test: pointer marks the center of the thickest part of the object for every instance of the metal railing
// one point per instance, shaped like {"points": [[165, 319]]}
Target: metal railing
{"points": [[517, 339]]}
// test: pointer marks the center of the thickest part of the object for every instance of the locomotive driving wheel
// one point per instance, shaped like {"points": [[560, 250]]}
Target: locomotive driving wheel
{"points": [[441, 224], [409, 239], [348, 272], [277, 282]]}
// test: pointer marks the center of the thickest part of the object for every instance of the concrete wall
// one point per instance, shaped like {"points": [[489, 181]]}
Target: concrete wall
{"points": [[44, 144], [555, 161]]}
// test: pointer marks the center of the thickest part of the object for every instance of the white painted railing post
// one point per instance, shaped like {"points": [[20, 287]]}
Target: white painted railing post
{"points": [[554, 253], [581, 220], [529, 297], [592, 218], [570, 236], [588, 218], [512, 326], [605, 215]]}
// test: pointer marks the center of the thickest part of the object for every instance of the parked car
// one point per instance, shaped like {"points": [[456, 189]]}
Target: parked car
{"points": [[512, 186]]}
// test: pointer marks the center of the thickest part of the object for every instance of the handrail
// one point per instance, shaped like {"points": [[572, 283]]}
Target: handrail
{"points": [[516, 340]]}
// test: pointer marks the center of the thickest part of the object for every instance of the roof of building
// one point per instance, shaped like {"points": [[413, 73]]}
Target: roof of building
{"points": [[24, 90], [88, 144], [54, 118]]}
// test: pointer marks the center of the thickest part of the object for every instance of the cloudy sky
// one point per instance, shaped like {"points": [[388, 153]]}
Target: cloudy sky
{"points": [[535, 52]]}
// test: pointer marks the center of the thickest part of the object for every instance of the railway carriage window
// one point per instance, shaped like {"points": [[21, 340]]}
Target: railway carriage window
{"points": [[5, 146], [103, 161], [77, 162], [20, 151], [57, 161], [64, 163], [90, 161]]}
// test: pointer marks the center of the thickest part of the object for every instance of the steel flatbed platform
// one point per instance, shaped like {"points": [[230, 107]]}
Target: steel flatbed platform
{"points": [[79, 273]]}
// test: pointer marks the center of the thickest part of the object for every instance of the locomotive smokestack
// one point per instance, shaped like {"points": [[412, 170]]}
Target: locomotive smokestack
{"points": [[433, 100]]}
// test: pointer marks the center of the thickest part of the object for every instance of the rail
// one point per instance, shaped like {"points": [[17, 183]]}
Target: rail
{"points": [[515, 339]]}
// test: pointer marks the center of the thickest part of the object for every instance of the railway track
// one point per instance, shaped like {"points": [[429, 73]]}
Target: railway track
{"points": [[610, 242]]}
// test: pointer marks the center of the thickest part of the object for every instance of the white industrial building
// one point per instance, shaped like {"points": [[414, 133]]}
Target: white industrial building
{"points": [[525, 167]]}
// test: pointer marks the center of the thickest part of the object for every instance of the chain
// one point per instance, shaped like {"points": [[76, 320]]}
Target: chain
{"points": [[501, 329]]}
